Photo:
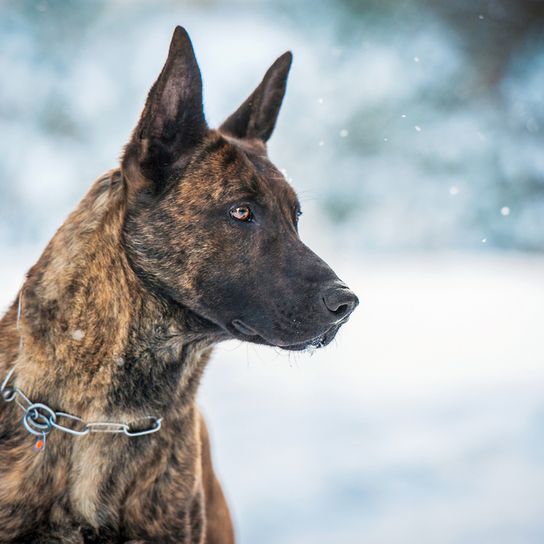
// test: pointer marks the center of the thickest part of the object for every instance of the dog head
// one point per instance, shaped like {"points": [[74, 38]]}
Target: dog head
{"points": [[211, 222]]}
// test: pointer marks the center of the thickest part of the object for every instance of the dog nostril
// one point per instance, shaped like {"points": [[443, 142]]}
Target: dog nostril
{"points": [[340, 301]]}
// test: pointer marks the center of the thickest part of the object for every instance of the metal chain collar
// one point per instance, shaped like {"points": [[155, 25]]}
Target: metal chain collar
{"points": [[39, 419]]}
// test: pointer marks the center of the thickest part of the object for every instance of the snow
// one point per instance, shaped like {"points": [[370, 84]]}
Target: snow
{"points": [[422, 423], [78, 335]]}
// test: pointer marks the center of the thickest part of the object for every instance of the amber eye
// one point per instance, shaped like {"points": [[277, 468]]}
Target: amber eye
{"points": [[241, 213]]}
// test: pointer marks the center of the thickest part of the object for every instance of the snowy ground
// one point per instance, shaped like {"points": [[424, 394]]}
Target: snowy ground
{"points": [[423, 423]]}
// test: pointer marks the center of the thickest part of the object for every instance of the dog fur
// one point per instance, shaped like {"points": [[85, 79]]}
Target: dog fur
{"points": [[121, 312]]}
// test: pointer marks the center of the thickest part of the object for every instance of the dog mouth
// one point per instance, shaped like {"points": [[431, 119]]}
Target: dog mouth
{"points": [[250, 334], [244, 328]]}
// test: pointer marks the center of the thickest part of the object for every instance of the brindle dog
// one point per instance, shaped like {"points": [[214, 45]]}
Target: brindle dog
{"points": [[193, 240]]}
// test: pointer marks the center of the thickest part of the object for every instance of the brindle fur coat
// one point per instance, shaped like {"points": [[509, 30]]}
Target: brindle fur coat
{"points": [[160, 261]]}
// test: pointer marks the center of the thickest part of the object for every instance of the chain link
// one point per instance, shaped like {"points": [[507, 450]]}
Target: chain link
{"points": [[39, 419], [70, 430]]}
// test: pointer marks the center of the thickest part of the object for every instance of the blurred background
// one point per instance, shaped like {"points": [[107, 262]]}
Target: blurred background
{"points": [[413, 131]]}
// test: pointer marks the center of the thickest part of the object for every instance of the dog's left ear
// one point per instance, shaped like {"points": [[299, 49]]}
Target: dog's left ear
{"points": [[172, 123], [256, 117]]}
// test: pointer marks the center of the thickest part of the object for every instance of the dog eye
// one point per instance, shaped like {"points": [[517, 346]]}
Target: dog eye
{"points": [[241, 213], [298, 213]]}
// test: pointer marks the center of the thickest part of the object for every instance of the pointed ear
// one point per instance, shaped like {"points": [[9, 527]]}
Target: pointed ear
{"points": [[257, 116], [172, 122]]}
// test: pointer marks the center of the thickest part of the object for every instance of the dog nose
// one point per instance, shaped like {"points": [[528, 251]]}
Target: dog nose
{"points": [[340, 301]]}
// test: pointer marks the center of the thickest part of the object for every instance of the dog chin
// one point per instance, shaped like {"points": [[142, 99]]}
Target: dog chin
{"points": [[316, 343], [242, 331]]}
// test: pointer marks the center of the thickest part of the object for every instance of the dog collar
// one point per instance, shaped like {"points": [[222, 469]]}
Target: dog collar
{"points": [[39, 419]]}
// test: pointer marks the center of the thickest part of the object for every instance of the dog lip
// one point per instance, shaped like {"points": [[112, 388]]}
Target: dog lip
{"points": [[316, 342], [319, 341], [243, 328]]}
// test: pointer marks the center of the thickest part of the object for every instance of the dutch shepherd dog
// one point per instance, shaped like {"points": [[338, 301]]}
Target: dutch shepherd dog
{"points": [[191, 241]]}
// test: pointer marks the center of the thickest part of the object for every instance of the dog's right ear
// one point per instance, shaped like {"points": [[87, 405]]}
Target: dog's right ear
{"points": [[172, 123]]}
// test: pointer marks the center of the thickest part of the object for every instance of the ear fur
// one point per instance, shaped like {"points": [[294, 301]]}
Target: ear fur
{"points": [[172, 122], [256, 117]]}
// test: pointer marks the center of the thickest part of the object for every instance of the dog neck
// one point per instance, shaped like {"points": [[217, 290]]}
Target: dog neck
{"points": [[86, 318]]}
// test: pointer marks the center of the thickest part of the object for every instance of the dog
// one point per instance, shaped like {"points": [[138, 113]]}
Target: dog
{"points": [[192, 240]]}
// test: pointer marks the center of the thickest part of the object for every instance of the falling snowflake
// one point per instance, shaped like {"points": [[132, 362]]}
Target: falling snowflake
{"points": [[505, 211], [320, 101], [321, 143], [418, 128], [454, 190], [531, 125], [416, 59], [344, 133], [78, 335], [484, 240]]}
